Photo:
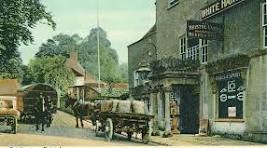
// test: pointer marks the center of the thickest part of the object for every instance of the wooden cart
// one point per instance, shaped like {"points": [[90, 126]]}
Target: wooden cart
{"points": [[9, 120], [110, 123]]}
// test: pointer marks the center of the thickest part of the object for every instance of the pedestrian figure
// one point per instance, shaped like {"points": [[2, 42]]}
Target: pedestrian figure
{"points": [[43, 112]]}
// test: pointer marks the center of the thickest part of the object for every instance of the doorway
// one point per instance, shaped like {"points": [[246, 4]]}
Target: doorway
{"points": [[189, 110]]}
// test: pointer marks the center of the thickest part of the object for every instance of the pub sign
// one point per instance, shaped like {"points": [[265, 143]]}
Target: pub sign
{"points": [[204, 30], [218, 7], [231, 93]]}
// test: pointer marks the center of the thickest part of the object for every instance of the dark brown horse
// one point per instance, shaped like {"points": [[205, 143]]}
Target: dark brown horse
{"points": [[80, 110]]}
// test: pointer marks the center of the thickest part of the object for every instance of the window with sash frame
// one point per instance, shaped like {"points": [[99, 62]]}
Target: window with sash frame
{"points": [[183, 47], [194, 49], [204, 51]]}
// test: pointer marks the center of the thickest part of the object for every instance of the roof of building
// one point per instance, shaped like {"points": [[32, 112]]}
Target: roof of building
{"points": [[74, 65], [151, 31], [37, 87], [8, 86]]}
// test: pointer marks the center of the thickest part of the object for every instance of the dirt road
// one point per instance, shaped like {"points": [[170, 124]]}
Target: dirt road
{"points": [[61, 133]]}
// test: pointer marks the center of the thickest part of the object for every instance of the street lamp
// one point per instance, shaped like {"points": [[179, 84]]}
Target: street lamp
{"points": [[143, 72]]}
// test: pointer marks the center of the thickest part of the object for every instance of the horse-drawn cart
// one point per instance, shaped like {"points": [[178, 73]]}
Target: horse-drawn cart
{"points": [[118, 122]]}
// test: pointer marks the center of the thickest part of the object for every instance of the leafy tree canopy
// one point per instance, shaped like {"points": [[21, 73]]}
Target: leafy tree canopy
{"points": [[16, 19], [50, 70], [63, 44], [87, 52]]}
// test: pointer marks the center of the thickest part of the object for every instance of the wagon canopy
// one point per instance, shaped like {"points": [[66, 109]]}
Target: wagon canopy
{"points": [[29, 95]]}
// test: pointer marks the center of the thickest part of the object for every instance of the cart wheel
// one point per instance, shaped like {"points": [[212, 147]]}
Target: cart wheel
{"points": [[97, 128], [109, 129], [129, 135], [145, 137]]}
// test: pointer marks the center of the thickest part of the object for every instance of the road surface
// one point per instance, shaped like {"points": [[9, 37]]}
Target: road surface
{"points": [[62, 133]]}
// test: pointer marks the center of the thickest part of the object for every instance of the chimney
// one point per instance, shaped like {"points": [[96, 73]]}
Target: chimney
{"points": [[74, 56]]}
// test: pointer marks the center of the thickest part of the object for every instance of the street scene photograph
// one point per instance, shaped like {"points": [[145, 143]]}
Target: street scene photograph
{"points": [[133, 73]]}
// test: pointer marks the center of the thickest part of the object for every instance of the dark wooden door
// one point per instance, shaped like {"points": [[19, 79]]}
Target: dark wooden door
{"points": [[189, 111]]}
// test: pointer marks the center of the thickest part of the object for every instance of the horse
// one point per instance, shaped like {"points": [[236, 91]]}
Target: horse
{"points": [[80, 110]]}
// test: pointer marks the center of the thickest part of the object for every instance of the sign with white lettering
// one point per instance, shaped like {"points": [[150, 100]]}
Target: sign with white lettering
{"points": [[204, 30], [231, 93], [218, 7]]}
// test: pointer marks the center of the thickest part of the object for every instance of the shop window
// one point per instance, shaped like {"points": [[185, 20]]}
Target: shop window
{"points": [[264, 24], [172, 3], [231, 93]]}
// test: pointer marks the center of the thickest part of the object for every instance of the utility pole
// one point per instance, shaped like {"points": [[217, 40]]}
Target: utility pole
{"points": [[98, 40]]}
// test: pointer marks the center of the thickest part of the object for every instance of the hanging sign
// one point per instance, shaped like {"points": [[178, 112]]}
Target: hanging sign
{"points": [[204, 30], [218, 7]]}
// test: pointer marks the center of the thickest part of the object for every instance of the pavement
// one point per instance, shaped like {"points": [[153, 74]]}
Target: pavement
{"points": [[194, 140]]}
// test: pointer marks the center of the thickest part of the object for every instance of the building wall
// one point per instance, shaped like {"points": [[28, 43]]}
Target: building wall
{"points": [[79, 81], [242, 30], [256, 102], [242, 35], [171, 24], [139, 52]]}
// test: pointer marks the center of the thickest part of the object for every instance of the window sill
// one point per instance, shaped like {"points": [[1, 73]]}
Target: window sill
{"points": [[229, 120]]}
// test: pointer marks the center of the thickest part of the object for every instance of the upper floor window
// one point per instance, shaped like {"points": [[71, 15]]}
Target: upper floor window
{"points": [[204, 51], [172, 3], [264, 24], [194, 49], [183, 47]]}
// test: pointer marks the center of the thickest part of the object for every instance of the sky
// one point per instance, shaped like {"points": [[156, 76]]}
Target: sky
{"points": [[125, 22]]}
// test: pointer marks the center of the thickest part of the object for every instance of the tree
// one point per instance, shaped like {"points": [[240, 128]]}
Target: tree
{"points": [[27, 75], [50, 70], [87, 52], [16, 19], [61, 44], [11, 68]]}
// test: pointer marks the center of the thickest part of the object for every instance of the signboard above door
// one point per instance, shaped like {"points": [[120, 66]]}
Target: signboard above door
{"points": [[218, 7], [204, 30]]}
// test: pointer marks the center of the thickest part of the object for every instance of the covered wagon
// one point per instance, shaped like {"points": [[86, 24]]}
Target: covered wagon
{"points": [[30, 95]]}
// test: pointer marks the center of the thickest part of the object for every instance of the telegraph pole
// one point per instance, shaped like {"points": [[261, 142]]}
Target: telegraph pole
{"points": [[98, 40]]}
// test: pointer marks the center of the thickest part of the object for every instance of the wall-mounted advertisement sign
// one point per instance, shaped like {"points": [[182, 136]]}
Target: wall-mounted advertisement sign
{"points": [[231, 93], [218, 7], [204, 30]]}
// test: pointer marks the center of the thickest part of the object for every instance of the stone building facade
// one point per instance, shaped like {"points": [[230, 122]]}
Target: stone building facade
{"points": [[192, 80]]}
